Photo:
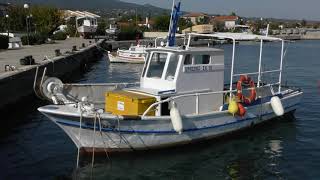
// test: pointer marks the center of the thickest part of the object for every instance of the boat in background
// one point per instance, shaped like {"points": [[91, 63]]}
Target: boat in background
{"points": [[135, 54]]}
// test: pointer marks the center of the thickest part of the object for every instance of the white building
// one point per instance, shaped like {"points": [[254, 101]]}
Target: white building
{"points": [[230, 22], [195, 18]]}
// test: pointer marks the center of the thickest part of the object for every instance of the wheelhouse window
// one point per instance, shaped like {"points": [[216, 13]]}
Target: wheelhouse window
{"points": [[188, 59], [172, 67], [201, 59], [156, 65]]}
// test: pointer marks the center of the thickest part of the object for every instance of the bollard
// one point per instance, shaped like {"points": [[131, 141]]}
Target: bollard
{"points": [[83, 45], [27, 60], [57, 52], [23, 61], [9, 68], [74, 48], [6, 68]]}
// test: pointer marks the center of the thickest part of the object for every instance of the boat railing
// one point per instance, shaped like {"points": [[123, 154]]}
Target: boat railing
{"points": [[197, 95], [104, 84], [257, 73]]}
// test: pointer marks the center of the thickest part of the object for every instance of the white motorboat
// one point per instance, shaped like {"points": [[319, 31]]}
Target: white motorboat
{"points": [[135, 54], [181, 98]]}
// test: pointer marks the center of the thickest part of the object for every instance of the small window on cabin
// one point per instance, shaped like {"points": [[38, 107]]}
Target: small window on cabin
{"points": [[156, 66], [187, 60], [172, 67], [201, 59]]}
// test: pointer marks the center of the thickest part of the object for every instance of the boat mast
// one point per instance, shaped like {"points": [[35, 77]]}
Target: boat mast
{"points": [[232, 67], [260, 61], [175, 14], [281, 65]]}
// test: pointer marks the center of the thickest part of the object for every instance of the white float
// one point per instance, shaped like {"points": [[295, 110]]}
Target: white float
{"points": [[176, 119], [277, 106]]}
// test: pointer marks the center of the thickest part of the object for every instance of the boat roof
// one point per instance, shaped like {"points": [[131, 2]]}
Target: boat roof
{"points": [[185, 50], [238, 36]]}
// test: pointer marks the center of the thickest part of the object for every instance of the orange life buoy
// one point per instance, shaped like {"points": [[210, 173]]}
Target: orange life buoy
{"points": [[253, 93]]}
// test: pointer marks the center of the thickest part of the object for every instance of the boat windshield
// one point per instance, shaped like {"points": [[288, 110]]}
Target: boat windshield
{"points": [[172, 67], [156, 66]]}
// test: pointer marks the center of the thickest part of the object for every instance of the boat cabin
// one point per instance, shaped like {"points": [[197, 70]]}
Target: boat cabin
{"points": [[171, 71]]}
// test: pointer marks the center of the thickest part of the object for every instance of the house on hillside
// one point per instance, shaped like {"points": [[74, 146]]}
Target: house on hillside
{"points": [[229, 22], [196, 18]]}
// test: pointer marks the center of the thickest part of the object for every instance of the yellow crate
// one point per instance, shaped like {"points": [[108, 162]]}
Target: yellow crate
{"points": [[128, 103]]}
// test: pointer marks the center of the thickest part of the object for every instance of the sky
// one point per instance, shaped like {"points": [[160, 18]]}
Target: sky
{"points": [[288, 9]]}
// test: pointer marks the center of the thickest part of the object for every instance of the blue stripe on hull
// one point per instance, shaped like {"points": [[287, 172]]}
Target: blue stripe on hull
{"points": [[84, 126]]}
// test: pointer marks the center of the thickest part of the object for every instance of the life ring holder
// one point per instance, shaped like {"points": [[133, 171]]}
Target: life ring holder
{"points": [[244, 79]]}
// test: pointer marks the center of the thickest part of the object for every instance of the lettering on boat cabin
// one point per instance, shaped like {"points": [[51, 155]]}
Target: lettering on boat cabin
{"points": [[202, 68]]}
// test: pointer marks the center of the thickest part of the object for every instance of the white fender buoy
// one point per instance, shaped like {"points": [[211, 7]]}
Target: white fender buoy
{"points": [[176, 119], [277, 106]]}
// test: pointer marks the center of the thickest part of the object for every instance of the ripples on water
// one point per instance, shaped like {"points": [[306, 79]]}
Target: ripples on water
{"points": [[35, 148]]}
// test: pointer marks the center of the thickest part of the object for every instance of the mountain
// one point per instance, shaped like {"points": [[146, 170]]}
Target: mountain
{"points": [[102, 6]]}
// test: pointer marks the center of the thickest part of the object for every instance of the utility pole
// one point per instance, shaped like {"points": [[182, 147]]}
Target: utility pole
{"points": [[8, 24], [26, 6]]}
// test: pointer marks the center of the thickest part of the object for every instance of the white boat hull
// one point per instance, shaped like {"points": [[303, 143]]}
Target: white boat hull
{"points": [[125, 59], [158, 133]]}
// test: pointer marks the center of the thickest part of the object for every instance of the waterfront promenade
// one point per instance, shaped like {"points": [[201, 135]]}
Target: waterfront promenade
{"points": [[18, 82], [12, 57]]}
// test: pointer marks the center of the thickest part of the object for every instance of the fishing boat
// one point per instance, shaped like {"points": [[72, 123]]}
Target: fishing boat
{"points": [[181, 98], [135, 54]]}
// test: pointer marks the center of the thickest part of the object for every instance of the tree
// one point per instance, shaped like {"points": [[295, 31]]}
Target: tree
{"points": [[44, 19], [233, 14], [274, 25], [162, 23], [71, 27], [204, 20], [101, 29], [184, 24], [303, 23], [218, 26]]}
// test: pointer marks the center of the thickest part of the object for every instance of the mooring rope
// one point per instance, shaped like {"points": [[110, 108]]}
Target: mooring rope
{"points": [[79, 134], [118, 119], [100, 129], [94, 142]]}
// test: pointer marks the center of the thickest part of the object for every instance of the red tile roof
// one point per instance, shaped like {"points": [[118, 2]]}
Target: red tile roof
{"points": [[194, 14], [225, 18]]}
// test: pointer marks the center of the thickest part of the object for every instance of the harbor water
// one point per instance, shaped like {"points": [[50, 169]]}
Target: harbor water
{"points": [[33, 147]]}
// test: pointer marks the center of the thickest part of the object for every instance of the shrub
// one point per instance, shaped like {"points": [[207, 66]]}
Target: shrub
{"points": [[59, 36], [4, 40], [34, 39], [129, 34]]}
